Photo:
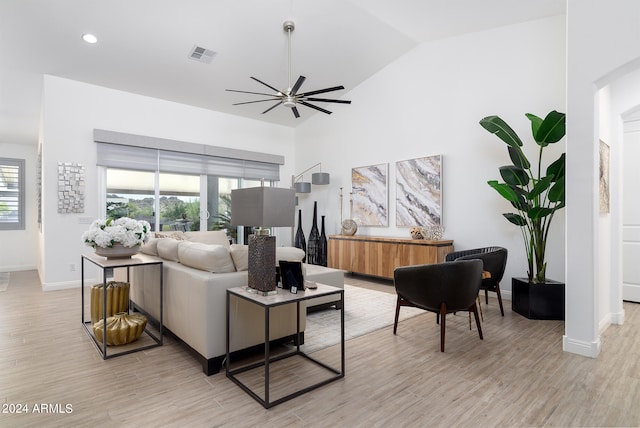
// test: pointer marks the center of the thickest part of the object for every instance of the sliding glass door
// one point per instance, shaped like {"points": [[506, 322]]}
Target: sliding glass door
{"points": [[180, 202]]}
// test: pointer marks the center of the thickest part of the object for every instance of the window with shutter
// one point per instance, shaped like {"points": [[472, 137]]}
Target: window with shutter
{"points": [[12, 189]]}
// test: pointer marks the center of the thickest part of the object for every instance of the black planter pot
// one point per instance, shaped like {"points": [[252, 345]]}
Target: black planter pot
{"points": [[543, 301]]}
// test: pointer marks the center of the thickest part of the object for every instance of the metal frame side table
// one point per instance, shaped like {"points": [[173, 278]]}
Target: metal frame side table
{"points": [[267, 302], [106, 264]]}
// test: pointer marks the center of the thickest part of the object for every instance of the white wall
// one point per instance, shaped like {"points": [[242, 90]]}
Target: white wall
{"points": [[71, 110], [429, 102], [19, 247], [602, 44]]}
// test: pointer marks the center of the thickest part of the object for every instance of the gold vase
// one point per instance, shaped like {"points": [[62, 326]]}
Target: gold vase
{"points": [[117, 299], [122, 328]]}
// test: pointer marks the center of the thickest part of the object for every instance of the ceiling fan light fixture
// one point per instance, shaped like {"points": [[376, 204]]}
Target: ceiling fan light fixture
{"points": [[291, 97], [289, 102]]}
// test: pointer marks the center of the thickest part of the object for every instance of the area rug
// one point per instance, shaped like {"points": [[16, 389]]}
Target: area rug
{"points": [[365, 311], [4, 281]]}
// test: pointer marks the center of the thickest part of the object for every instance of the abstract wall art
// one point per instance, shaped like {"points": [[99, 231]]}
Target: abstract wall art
{"points": [[70, 188], [370, 195], [419, 192]]}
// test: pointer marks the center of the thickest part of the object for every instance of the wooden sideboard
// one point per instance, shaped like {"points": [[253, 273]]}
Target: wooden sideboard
{"points": [[379, 256]]}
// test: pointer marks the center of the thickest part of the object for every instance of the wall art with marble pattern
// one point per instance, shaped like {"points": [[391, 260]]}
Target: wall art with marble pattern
{"points": [[370, 195], [419, 192]]}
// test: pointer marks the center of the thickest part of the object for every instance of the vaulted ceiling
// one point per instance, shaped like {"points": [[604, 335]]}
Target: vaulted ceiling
{"points": [[144, 47]]}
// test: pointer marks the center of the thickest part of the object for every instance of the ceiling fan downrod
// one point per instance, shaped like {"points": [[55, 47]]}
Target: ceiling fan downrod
{"points": [[289, 101]]}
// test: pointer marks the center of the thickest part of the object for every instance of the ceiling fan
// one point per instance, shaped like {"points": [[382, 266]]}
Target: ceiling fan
{"points": [[290, 97]]}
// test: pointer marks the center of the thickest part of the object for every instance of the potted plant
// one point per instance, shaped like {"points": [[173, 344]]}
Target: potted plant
{"points": [[119, 238], [536, 194]]}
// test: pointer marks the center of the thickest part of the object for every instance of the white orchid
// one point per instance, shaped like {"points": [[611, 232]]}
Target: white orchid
{"points": [[127, 231]]}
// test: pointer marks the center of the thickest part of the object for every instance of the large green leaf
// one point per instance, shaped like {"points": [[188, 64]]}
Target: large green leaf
{"points": [[535, 123], [505, 191], [552, 129], [540, 186], [557, 168], [539, 212], [514, 176], [516, 219], [518, 157], [499, 127], [556, 193]]}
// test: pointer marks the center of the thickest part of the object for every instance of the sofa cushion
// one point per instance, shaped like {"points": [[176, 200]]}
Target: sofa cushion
{"points": [[168, 248], [218, 237], [290, 254], [240, 256], [150, 247], [208, 257]]}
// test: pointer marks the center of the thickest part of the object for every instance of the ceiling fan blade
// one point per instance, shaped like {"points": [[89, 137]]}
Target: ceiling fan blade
{"points": [[257, 101], [267, 85], [272, 107], [295, 112], [297, 85], [314, 107], [324, 100], [254, 93], [322, 91]]}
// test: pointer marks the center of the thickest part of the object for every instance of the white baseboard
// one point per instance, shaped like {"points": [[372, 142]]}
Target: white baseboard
{"points": [[54, 286], [506, 295], [16, 268], [580, 347], [618, 317]]}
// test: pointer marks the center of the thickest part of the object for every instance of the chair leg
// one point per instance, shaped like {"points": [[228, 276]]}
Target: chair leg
{"points": [[481, 314], [443, 313], [474, 309], [499, 298], [486, 297], [395, 324]]}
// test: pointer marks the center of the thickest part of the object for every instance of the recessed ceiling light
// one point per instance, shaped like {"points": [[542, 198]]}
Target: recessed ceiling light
{"points": [[90, 38]]}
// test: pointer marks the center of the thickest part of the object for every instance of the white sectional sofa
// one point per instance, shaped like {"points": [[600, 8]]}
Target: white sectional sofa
{"points": [[198, 267]]}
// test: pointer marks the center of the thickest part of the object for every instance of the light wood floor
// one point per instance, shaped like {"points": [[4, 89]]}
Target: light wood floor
{"points": [[517, 376]]}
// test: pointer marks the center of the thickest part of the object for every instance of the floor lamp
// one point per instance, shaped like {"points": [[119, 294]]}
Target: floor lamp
{"points": [[260, 207]]}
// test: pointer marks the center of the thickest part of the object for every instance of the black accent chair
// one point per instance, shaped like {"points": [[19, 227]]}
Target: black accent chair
{"points": [[494, 260], [442, 288]]}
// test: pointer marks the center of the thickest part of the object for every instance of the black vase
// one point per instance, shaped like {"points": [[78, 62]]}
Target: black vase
{"points": [[299, 241], [313, 250], [323, 246]]}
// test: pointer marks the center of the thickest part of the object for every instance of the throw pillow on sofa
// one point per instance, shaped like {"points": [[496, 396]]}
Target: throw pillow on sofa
{"points": [[290, 254], [217, 237], [168, 249], [150, 247], [208, 257], [240, 255]]}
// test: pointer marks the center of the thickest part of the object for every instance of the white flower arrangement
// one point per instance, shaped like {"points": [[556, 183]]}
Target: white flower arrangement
{"points": [[125, 230]]}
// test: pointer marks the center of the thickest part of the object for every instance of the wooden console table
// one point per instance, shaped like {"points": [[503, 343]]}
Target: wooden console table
{"points": [[379, 256]]}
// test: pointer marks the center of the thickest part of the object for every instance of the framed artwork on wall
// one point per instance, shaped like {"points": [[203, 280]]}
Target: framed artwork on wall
{"points": [[370, 195], [604, 177], [419, 192]]}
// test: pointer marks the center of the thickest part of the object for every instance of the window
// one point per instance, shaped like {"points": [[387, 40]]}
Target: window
{"points": [[12, 210]]}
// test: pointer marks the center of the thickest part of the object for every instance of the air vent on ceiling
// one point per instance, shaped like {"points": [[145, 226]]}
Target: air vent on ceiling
{"points": [[201, 54]]}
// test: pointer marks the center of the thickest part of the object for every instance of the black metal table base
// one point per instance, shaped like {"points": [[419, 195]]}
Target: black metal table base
{"points": [[105, 265], [268, 359]]}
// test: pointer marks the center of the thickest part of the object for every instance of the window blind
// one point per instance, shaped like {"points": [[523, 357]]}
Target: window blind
{"points": [[127, 151]]}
